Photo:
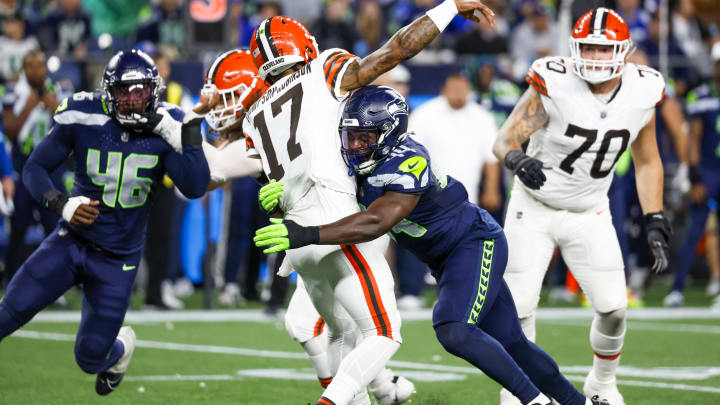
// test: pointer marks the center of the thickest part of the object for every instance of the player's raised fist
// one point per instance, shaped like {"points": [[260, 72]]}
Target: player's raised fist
{"points": [[474, 10]]}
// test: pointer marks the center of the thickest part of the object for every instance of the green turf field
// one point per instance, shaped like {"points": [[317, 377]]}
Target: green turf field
{"points": [[669, 361]]}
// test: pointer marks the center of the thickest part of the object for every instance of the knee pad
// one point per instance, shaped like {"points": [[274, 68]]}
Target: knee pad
{"points": [[303, 329], [451, 335], [607, 334], [611, 323], [90, 353]]}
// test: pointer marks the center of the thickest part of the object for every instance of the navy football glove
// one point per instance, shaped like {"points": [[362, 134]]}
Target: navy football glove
{"points": [[528, 170], [658, 235]]}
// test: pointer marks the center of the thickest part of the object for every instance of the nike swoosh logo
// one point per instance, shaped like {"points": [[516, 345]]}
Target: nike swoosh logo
{"points": [[599, 212], [128, 268], [413, 166]]}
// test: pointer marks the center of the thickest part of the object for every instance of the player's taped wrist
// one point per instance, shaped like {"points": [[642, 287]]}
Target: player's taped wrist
{"points": [[54, 200], [300, 236], [72, 205], [443, 13], [694, 175]]}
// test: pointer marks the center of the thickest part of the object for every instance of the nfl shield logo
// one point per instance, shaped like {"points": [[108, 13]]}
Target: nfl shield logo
{"points": [[603, 114], [518, 215], [125, 137]]}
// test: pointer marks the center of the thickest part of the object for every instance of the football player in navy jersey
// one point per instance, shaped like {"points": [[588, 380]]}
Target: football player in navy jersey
{"points": [[429, 214], [119, 159]]}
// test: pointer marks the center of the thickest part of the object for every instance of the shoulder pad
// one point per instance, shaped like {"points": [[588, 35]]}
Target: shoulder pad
{"points": [[546, 71], [334, 62], [650, 82], [83, 108]]}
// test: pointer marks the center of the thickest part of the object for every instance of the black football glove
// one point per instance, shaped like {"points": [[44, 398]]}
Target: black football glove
{"points": [[528, 170], [658, 235]]}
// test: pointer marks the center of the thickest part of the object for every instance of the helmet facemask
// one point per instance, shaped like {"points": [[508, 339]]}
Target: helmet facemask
{"points": [[599, 70], [363, 148], [230, 110], [133, 97]]}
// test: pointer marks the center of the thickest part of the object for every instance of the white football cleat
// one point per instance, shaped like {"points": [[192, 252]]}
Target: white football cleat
{"points": [[401, 392], [605, 390], [674, 300], [507, 398], [230, 297]]}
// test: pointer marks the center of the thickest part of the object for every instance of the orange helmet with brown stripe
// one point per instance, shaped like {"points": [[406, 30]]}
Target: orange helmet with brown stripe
{"points": [[600, 26], [280, 42], [235, 78]]}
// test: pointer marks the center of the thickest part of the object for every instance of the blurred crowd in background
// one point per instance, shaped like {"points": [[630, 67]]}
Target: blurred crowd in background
{"points": [[460, 91]]}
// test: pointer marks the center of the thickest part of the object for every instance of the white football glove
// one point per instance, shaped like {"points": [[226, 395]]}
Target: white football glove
{"points": [[160, 123]]}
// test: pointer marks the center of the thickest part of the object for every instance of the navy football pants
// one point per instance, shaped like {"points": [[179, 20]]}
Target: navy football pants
{"points": [[475, 319], [60, 262]]}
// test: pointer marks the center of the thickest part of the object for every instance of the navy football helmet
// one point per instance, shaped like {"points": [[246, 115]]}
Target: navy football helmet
{"points": [[131, 83], [374, 121]]}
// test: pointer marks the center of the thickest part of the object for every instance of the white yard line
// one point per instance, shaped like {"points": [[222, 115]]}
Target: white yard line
{"points": [[257, 315], [687, 373], [653, 326]]}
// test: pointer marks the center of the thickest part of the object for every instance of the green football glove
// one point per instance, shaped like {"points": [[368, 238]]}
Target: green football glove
{"points": [[285, 234], [270, 196]]}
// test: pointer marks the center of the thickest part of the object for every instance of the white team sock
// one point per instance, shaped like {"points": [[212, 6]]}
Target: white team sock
{"points": [[607, 350], [360, 367], [316, 349]]}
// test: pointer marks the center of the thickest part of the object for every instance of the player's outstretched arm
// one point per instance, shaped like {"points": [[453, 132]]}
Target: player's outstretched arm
{"points": [[380, 217], [410, 40]]}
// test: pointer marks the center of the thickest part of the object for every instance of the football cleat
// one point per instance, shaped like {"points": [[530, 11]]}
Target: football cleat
{"points": [[674, 300], [108, 380], [401, 392], [595, 400], [606, 390]]}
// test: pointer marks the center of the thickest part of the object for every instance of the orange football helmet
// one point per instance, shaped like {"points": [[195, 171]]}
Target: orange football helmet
{"points": [[600, 26], [280, 42], [234, 77]]}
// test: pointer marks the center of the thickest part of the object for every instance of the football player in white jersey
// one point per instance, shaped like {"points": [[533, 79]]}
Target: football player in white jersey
{"points": [[231, 85], [293, 128], [579, 115]]}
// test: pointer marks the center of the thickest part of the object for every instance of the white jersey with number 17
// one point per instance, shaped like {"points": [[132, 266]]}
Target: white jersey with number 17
{"points": [[294, 128]]}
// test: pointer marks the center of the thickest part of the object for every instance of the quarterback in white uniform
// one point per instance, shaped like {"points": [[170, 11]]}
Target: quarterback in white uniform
{"points": [[579, 115], [294, 129]]}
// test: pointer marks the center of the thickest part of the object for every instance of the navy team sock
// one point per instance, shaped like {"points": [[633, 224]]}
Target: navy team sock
{"points": [[471, 343], [544, 372]]}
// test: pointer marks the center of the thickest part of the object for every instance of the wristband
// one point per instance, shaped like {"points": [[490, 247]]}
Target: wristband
{"points": [[54, 201], [694, 175], [191, 134], [443, 13]]}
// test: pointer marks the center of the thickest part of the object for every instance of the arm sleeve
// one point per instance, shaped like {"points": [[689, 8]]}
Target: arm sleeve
{"points": [[230, 162], [189, 171], [44, 159]]}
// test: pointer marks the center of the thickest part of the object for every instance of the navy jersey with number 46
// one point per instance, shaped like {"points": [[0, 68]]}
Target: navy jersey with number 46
{"points": [[442, 217], [117, 167]]}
